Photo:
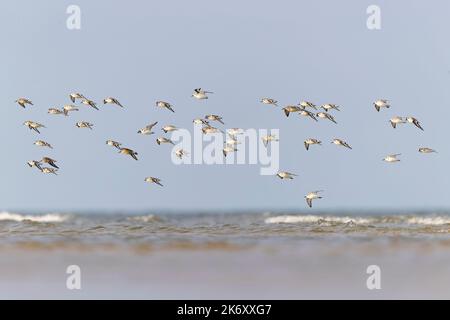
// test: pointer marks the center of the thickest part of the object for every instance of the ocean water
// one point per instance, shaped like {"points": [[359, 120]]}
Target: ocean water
{"points": [[233, 255]]}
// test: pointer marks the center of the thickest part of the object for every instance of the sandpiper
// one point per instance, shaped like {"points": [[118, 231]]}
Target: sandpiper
{"points": [[307, 104], [325, 115], [269, 138], [33, 125], [49, 170], [311, 141], [414, 121], [208, 129], [214, 117], [329, 106], [169, 128], [153, 180], [164, 140], [23, 102], [180, 153], [395, 121], [113, 143], [269, 101], [286, 175], [307, 113], [312, 196], [235, 131], [200, 94], [69, 108], [50, 161], [381, 103], [84, 124], [76, 95], [426, 150], [34, 163], [88, 102], [55, 111], [112, 100], [163, 104], [129, 152], [392, 158], [42, 143], [200, 121], [232, 141], [228, 149], [340, 142], [147, 130], [288, 109]]}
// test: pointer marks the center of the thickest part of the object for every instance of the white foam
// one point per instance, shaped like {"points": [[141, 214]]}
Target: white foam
{"points": [[315, 219], [50, 217], [432, 221], [145, 219]]}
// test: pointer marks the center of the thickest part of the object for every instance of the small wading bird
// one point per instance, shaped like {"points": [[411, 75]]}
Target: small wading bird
{"points": [[329, 106], [311, 141], [111, 100], [84, 124], [307, 104], [200, 121], [200, 94], [164, 140], [228, 149], [33, 125], [180, 153], [395, 121], [129, 152], [312, 196], [427, 150], [90, 103], [381, 103], [324, 115], [113, 143], [34, 163], [392, 158], [169, 128], [147, 130], [42, 143], [269, 101], [69, 108], [208, 129], [49, 170], [286, 175], [49, 161], [289, 109], [214, 117], [340, 142], [414, 121], [164, 105], [23, 102], [75, 96], [269, 138], [153, 180], [55, 111], [307, 113]]}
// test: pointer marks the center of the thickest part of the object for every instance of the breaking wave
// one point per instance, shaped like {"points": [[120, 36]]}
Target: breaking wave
{"points": [[50, 217], [317, 219]]}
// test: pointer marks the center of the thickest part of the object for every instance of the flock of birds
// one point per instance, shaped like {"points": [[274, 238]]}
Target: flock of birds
{"points": [[304, 108]]}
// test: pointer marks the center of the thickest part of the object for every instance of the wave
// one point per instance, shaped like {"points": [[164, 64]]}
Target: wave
{"points": [[317, 219], [433, 221], [50, 217], [145, 219]]}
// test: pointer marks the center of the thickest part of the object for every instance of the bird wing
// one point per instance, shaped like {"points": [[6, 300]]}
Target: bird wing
{"points": [[309, 202]]}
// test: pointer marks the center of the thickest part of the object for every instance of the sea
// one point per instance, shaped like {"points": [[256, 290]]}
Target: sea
{"points": [[232, 255]]}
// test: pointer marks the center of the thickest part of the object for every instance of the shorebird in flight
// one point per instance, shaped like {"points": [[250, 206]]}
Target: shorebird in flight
{"points": [[164, 140], [427, 150], [269, 138], [200, 94], [381, 103], [90, 103], [312, 196], [286, 175], [84, 124], [69, 108], [209, 129], [55, 111], [307, 104], [129, 152], [340, 142], [169, 128], [113, 143], [200, 121], [49, 170], [34, 163], [307, 113], [23, 102], [112, 100], [414, 121], [163, 104], [228, 149], [180, 153], [147, 130], [392, 158], [214, 117], [42, 143], [395, 121], [232, 141], [153, 180], [234, 131], [311, 141], [33, 125], [50, 161], [75, 96], [329, 106], [269, 101], [289, 109], [325, 115]]}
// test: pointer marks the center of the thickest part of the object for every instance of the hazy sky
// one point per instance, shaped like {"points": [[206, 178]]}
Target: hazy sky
{"points": [[142, 51]]}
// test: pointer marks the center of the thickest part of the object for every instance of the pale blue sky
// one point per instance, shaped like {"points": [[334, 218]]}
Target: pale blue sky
{"points": [[142, 51]]}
